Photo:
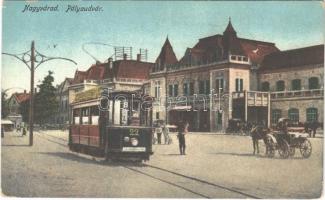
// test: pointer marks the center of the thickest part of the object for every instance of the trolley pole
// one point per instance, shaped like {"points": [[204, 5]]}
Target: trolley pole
{"points": [[31, 100]]}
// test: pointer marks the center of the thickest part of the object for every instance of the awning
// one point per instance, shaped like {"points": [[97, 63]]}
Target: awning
{"points": [[6, 122]]}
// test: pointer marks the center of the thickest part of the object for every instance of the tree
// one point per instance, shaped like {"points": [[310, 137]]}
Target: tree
{"points": [[4, 105], [45, 104], [24, 110]]}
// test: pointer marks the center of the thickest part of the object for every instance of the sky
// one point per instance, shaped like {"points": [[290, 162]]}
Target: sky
{"points": [[143, 24]]}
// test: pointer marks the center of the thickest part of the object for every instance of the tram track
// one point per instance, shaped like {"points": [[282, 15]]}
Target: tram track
{"points": [[188, 183]]}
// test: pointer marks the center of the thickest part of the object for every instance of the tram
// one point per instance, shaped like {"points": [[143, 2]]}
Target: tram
{"points": [[114, 125]]}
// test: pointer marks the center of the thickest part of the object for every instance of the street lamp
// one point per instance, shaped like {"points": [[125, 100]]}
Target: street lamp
{"points": [[30, 58]]}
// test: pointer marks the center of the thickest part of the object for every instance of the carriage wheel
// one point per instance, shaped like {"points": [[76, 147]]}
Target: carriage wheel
{"points": [[292, 151], [271, 152], [284, 149], [305, 148]]}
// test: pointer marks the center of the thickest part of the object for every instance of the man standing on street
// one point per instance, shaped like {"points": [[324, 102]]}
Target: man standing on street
{"points": [[166, 133], [182, 130], [159, 132]]}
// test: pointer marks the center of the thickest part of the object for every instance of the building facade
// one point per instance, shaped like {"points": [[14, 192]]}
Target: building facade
{"points": [[14, 104], [224, 77], [295, 81], [62, 97]]}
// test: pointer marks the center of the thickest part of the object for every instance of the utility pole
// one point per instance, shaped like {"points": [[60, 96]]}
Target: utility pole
{"points": [[29, 58], [31, 100]]}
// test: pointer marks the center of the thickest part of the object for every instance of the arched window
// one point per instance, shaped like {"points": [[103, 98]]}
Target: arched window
{"points": [[293, 115], [313, 83], [276, 115], [296, 84], [311, 114], [280, 85], [265, 86]]}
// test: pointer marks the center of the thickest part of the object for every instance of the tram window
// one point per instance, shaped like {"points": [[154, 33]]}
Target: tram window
{"points": [[76, 116], [94, 115], [85, 116]]}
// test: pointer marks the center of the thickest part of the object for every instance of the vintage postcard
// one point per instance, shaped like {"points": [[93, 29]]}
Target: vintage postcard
{"points": [[162, 99]]}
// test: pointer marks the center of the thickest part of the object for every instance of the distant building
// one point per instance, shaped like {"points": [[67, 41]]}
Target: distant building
{"points": [[62, 97], [225, 76], [14, 104]]}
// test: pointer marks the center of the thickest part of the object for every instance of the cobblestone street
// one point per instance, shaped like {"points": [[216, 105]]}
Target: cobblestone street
{"points": [[216, 166]]}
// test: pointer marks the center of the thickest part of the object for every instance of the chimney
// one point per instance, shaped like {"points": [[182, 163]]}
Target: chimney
{"points": [[24, 91], [125, 56], [138, 57], [110, 63]]}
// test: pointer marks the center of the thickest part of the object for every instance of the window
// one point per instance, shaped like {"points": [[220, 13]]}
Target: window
{"points": [[173, 90], [157, 115], [280, 85], [204, 87], [296, 84], [233, 57], [219, 85], [276, 115], [94, 115], [84, 116], [188, 88], [157, 89], [239, 84], [76, 116], [293, 115], [245, 59], [192, 88], [311, 114], [170, 90], [313, 83], [201, 87], [265, 86]]}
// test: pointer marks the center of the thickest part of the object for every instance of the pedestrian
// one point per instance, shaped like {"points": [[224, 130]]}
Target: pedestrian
{"points": [[165, 131], [307, 130], [24, 131], [159, 132], [182, 131], [314, 127], [18, 128]]}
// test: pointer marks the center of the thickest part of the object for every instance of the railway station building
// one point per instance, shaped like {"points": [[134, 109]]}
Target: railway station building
{"points": [[224, 77]]}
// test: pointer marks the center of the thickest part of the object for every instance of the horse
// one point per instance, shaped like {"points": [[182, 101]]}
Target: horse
{"points": [[259, 133]]}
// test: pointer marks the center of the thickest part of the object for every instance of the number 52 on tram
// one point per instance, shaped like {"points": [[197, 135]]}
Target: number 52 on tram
{"points": [[115, 125]]}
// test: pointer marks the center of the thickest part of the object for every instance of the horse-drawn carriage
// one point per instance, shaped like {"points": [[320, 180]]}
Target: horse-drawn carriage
{"points": [[283, 140], [287, 141]]}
